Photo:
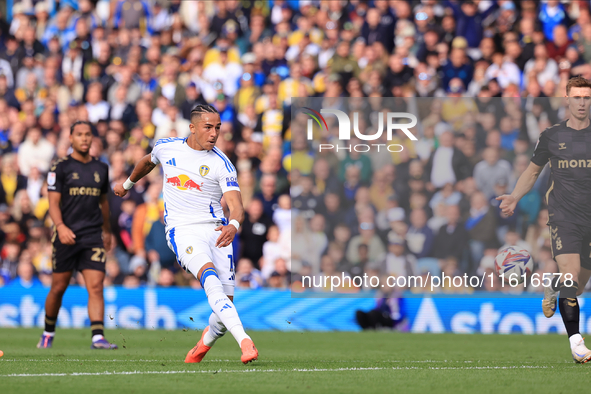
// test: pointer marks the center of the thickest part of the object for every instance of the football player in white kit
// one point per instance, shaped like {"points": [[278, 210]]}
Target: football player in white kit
{"points": [[196, 176]]}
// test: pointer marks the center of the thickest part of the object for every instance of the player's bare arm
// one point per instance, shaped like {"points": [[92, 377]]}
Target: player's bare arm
{"points": [[66, 236], [234, 200], [524, 184], [143, 168], [107, 233]]}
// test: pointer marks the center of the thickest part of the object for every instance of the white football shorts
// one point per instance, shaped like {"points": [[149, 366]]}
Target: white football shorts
{"points": [[194, 246]]}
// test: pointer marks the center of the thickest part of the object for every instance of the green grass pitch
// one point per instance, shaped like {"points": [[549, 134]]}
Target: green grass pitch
{"points": [[367, 362]]}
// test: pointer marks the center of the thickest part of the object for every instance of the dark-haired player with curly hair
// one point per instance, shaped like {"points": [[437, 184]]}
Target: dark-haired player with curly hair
{"points": [[78, 187], [567, 147], [196, 177]]}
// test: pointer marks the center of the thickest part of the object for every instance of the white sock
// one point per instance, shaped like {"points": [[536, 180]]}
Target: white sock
{"points": [[574, 340], [97, 337], [51, 334], [222, 306], [239, 334], [215, 332]]}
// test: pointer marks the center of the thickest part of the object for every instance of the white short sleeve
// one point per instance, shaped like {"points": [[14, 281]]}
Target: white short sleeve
{"points": [[155, 152], [228, 180], [227, 175]]}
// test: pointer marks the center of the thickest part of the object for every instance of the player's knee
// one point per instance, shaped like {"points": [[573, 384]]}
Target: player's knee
{"points": [[199, 263], [95, 289], [569, 290], [58, 289]]}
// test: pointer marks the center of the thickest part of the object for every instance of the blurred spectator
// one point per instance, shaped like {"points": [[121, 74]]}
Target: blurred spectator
{"points": [[503, 70], [481, 226], [491, 171], [469, 22], [368, 237], [358, 160], [452, 237], [194, 97], [247, 276], [541, 67], [306, 203], [168, 85], [98, 109], [7, 93], [166, 278], [268, 195], [132, 89], [133, 14], [9, 259], [459, 65], [223, 72], [419, 237], [36, 152], [254, 231], [447, 164], [397, 262], [10, 179], [551, 14], [25, 275], [282, 214], [113, 276], [172, 121]]}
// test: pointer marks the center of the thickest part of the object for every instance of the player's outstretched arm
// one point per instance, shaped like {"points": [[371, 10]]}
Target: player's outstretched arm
{"points": [[142, 169], [66, 236], [234, 200], [524, 184]]}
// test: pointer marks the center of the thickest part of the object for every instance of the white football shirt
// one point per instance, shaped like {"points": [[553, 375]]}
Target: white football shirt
{"points": [[194, 182]]}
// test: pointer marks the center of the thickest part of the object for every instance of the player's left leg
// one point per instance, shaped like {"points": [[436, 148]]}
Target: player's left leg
{"points": [[96, 308], [214, 331]]}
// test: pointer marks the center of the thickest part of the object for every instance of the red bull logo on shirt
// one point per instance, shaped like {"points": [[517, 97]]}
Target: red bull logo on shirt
{"points": [[183, 182]]}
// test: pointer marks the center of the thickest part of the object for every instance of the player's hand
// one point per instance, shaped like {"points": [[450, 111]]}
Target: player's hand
{"points": [[226, 237], [508, 204], [67, 236], [119, 190], [107, 238]]}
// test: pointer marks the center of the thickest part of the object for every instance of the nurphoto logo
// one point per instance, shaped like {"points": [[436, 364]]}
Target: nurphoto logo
{"points": [[392, 123]]}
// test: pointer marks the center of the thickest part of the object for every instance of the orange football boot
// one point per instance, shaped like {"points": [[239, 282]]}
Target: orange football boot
{"points": [[196, 354], [249, 351]]}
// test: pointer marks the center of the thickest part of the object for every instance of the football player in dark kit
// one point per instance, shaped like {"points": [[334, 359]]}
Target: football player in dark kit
{"points": [[78, 187], [567, 146]]}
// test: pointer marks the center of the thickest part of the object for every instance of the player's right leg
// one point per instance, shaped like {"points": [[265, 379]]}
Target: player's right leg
{"points": [[567, 242], [569, 266], [53, 302], [224, 308], [192, 246], [63, 260]]}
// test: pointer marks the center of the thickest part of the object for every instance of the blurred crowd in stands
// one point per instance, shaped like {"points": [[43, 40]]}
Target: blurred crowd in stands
{"points": [[479, 74]]}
